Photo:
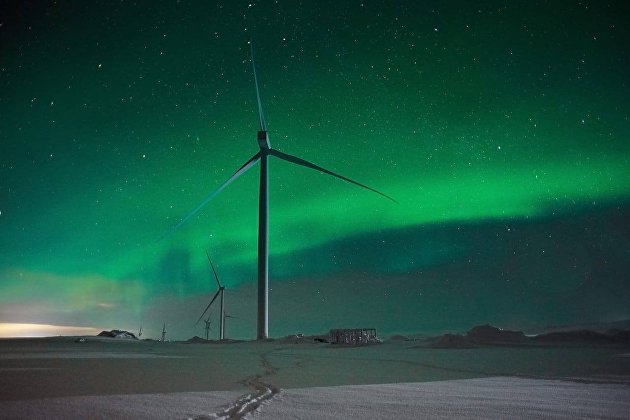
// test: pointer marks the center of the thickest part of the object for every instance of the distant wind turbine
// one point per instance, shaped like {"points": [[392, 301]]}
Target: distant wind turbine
{"points": [[220, 292], [207, 327], [164, 332], [263, 205]]}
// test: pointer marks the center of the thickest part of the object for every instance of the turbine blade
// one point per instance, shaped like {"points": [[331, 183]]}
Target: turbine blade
{"points": [[213, 270], [213, 194], [261, 117], [302, 162], [208, 307]]}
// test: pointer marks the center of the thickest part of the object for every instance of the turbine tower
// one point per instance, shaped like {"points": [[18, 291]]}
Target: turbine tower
{"points": [[220, 292], [164, 332], [263, 205]]}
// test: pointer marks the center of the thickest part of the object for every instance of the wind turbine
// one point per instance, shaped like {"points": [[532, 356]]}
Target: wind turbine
{"points": [[221, 292], [207, 327], [262, 156], [164, 332]]}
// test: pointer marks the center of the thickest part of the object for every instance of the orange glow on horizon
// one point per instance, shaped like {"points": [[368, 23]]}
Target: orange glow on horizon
{"points": [[16, 330]]}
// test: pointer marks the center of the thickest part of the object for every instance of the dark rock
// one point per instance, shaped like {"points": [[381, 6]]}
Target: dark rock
{"points": [[622, 336], [117, 334], [489, 334], [197, 340]]}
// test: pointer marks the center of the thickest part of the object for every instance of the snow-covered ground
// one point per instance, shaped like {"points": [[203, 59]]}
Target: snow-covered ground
{"points": [[62, 378], [180, 405], [484, 398]]}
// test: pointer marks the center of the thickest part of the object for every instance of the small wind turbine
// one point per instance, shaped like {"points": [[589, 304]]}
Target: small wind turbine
{"points": [[221, 292], [207, 327], [263, 205], [164, 332]]}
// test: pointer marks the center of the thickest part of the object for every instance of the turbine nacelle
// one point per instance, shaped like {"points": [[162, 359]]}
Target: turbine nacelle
{"points": [[263, 140]]}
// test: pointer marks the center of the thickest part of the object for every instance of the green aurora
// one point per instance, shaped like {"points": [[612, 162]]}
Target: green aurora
{"points": [[117, 118]]}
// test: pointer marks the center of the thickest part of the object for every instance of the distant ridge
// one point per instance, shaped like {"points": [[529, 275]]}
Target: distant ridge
{"points": [[489, 335], [602, 327]]}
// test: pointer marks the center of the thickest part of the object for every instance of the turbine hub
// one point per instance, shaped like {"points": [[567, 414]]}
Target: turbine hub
{"points": [[263, 140]]}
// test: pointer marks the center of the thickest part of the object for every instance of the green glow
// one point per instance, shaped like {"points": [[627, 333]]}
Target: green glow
{"points": [[111, 134]]}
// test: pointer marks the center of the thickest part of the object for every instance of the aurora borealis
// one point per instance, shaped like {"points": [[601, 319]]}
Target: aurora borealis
{"points": [[502, 128]]}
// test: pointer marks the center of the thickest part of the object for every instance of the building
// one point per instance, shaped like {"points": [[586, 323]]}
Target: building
{"points": [[353, 336]]}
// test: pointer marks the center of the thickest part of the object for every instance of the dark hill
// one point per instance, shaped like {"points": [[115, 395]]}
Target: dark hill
{"points": [[489, 334]]}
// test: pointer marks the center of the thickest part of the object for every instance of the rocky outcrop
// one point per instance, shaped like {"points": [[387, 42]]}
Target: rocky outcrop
{"points": [[489, 334], [118, 334]]}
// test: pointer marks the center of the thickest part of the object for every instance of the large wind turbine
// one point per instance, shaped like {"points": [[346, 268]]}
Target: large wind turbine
{"points": [[263, 205], [221, 293]]}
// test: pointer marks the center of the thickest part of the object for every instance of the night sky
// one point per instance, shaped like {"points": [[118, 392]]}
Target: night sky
{"points": [[502, 128]]}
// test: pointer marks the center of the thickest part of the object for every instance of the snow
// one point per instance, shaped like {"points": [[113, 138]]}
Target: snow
{"points": [[84, 355], [62, 378], [178, 405], [485, 398]]}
